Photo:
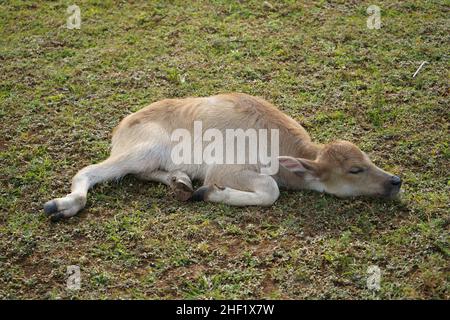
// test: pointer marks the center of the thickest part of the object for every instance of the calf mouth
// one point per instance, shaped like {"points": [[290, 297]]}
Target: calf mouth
{"points": [[392, 193]]}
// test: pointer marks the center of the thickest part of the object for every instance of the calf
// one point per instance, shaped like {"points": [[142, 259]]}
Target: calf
{"points": [[143, 145]]}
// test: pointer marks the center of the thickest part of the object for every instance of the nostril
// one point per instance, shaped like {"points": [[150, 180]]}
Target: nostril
{"points": [[395, 180]]}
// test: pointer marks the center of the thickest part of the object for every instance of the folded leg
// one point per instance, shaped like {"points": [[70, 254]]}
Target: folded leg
{"points": [[178, 181], [239, 188]]}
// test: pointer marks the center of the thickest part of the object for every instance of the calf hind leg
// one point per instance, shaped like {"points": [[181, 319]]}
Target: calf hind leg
{"points": [[112, 168], [178, 181]]}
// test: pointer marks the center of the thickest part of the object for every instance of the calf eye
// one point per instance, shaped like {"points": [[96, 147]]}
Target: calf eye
{"points": [[356, 170]]}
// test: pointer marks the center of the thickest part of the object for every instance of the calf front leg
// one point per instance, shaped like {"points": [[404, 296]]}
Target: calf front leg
{"points": [[241, 188]]}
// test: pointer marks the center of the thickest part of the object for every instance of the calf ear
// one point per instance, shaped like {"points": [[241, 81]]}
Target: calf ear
{"points": [[299, 165]]}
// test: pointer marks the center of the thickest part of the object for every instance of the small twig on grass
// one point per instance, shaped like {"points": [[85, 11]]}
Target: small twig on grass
{"points": [[418, 69]]}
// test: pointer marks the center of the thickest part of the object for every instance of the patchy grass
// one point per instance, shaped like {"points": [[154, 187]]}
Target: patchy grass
{"points": [[62, 91]]}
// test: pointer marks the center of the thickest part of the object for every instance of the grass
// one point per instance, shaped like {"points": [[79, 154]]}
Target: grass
{"points": [[62, 91]]}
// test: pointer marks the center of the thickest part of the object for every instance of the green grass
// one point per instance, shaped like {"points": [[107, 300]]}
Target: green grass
{"points": [[62, 91]]}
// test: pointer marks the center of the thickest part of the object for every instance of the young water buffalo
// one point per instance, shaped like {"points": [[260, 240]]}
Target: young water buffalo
{"points": [[143, 144]]}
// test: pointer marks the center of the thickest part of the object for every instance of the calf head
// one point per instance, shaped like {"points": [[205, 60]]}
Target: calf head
{"points": [[342, 169]]}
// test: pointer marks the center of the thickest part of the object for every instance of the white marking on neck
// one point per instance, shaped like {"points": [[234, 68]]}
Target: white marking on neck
{"points": [[316, 185]]}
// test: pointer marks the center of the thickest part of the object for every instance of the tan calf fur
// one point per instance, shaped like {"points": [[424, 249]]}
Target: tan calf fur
{"points": [[142, 145]]}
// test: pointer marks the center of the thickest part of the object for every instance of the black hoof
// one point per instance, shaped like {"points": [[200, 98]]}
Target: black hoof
{"points": [[200, 194], [56, 217], [50, 207], [181, 185]]}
